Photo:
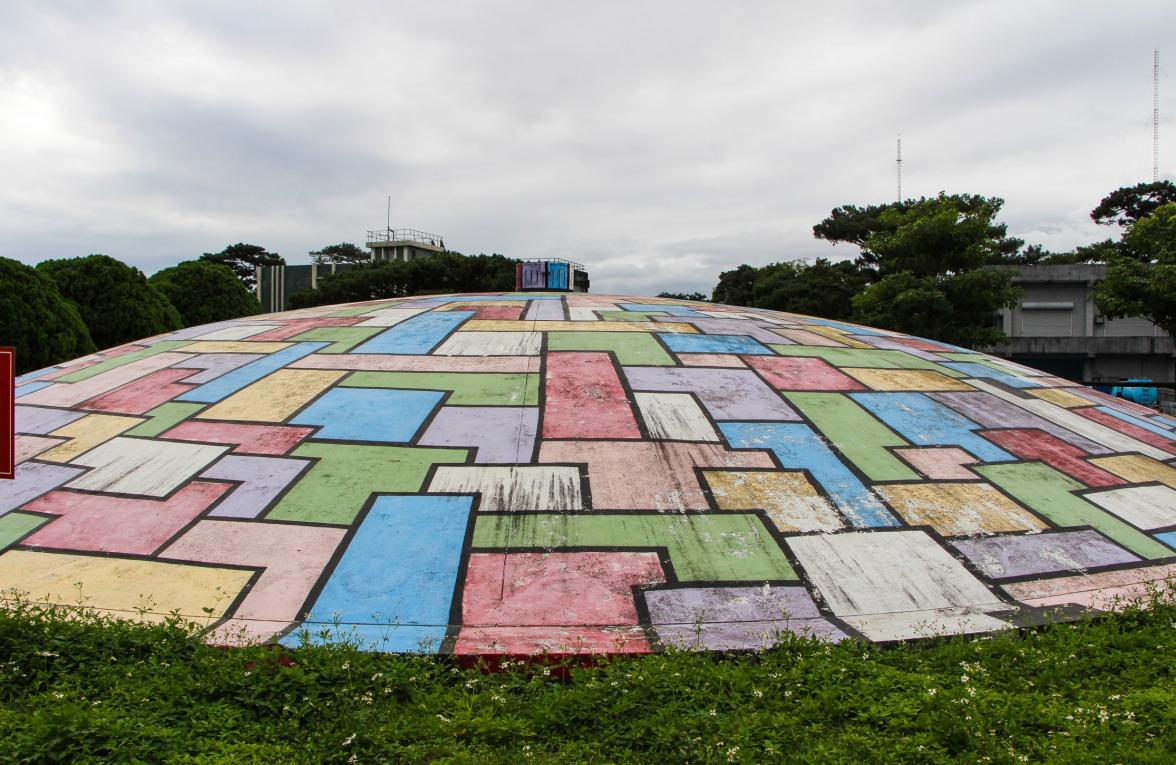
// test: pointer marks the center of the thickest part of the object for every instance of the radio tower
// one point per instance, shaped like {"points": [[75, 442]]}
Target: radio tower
{"points": [[1156, 116], [898, 164]]}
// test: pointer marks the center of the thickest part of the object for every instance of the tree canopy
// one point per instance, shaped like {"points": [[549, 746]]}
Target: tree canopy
{"points": [[1144, 282], [696, 296], [443, 272], [243, 259], [1124, 206], [343, 252], [115, 300], [204, 292], [43, 326]]}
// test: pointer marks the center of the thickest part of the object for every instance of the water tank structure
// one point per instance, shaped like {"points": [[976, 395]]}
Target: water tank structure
{"points": [[573, 473]]}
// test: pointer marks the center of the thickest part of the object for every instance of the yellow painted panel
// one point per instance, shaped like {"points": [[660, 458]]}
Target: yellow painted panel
{"points": [[460, 306], [1060, 397], [233, 346], [789, 499], [906, 379], [833, 333], [957, 509], [1138, 469], [86, 433], [489, 325], [273, 398], [123, 587]]}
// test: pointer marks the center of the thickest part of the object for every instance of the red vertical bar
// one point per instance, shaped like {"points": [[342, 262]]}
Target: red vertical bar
{"points": [[518, 277], [7, 413], [584, 398]]}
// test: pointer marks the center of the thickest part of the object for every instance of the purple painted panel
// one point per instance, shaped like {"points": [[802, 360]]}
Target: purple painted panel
{"points": [[534, 276], [32, 480], [728, 394], [500, 433], [550, 310], [722, 618], [262, 479], [1019, 555], [38, 420], [989, 411]]}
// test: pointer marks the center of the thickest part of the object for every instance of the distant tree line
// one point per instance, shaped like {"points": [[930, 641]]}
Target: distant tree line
{"points": [[925, 266]]}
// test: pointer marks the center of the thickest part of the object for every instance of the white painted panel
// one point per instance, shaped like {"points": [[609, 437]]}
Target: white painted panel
{"points": [[898, 579], [137, 466], [1145, 507], [675, 416], [585, 314], [513, 488], [390, 317], [925, 624], [239, 332], [491, 344]]}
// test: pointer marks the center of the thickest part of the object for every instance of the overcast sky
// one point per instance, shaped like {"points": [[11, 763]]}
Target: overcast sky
{"points": [[658, 143]]}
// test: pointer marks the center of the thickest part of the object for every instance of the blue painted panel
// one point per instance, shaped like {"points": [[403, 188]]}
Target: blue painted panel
{"points": [[672, 310], [230, 383], [715, 344], [35, 373], [369, 414], [1141, 422], [415, 336], [22, 390], [799, 448], [557, 276], [925, 422], [1168, 538], [973, 369], [850, 328], [393, 587]]}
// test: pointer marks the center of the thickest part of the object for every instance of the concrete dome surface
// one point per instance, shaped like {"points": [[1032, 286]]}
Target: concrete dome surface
{"points": [[471, 474]]}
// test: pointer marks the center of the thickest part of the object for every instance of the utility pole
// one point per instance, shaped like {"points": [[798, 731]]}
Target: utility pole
{"points": [[898, 164], [1156, 116]]}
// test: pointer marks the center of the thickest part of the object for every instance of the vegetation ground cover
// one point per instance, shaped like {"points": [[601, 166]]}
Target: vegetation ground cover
{"points": [[81, 688]]}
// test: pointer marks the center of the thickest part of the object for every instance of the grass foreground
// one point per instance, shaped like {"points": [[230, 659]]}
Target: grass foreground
{"points": [[81, 688]]}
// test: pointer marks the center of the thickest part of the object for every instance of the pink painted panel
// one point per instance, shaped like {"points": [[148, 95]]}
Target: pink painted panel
{"points": [[586, 596], [710, 360], [804, 337], [801, 373], [1126, 428], [144, 394], [585, 398], [108, 523], [293, 327], [940, 463], [1032, 444], [247, 439]]}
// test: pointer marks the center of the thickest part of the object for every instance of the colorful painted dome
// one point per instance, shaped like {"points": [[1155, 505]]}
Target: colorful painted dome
{"points": [[486, 473]]}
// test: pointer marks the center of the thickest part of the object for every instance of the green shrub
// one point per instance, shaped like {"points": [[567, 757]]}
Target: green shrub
{"points": [[37, 321], [115, 300], [205, 292]]}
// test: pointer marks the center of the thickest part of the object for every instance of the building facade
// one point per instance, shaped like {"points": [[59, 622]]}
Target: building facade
{"points": [[1056, 327]]}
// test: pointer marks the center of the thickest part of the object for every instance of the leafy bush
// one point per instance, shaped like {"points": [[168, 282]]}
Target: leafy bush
{"points": [[37, 321], [83, 688], [205, 292], [115, 300]]}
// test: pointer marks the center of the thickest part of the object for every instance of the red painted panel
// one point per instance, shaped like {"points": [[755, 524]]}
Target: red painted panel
{"points": [[800, 373], [1127, 429], [106, 523], [1032, 444], [491, 312], [570, 602], [585, 398], [248, 439], [292, 327], [144, 394]]}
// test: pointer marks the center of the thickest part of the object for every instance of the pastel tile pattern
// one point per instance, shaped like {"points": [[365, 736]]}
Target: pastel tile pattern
{"points": [[522, 472]]}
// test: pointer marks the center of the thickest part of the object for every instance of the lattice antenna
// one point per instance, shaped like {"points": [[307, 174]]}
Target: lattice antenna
{"points": [[898, 166], [1156, 116]]}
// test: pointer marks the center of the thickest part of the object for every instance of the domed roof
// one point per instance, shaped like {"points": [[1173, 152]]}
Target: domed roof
{"points": [[520, 472]]}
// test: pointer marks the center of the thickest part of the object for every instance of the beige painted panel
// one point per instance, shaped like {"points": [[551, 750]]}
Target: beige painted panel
{"points": [[789, 499], [86, 433], [906, 379], [957, 509], [273, 398]]}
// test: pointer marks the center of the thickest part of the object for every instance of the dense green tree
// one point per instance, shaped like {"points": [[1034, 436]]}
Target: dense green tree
{"points": [[821, 288], [916, 234], [205, 292], [736, 287], [116, 302], [696, 296], [443, 272], [244, 259], [1124, 206], [36, 320], [1144, 282], [343, 252]]}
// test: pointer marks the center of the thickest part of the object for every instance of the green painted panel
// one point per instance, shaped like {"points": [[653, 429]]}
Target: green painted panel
{"points": [[16, 526], [164, 417], [478, 389], [856, 434], [342, 339], [631, 348], [873, 358]]}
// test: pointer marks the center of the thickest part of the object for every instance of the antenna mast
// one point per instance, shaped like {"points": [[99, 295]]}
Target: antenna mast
{"points": [[898, 164], [1156, 116], [388, 223]]}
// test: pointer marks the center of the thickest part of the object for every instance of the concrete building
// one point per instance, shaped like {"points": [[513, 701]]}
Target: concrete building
{"points": [[403, 244], [1056, 327]]}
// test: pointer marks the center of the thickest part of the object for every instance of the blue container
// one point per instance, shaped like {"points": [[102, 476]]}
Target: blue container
{"points": [[1140, 395]]}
